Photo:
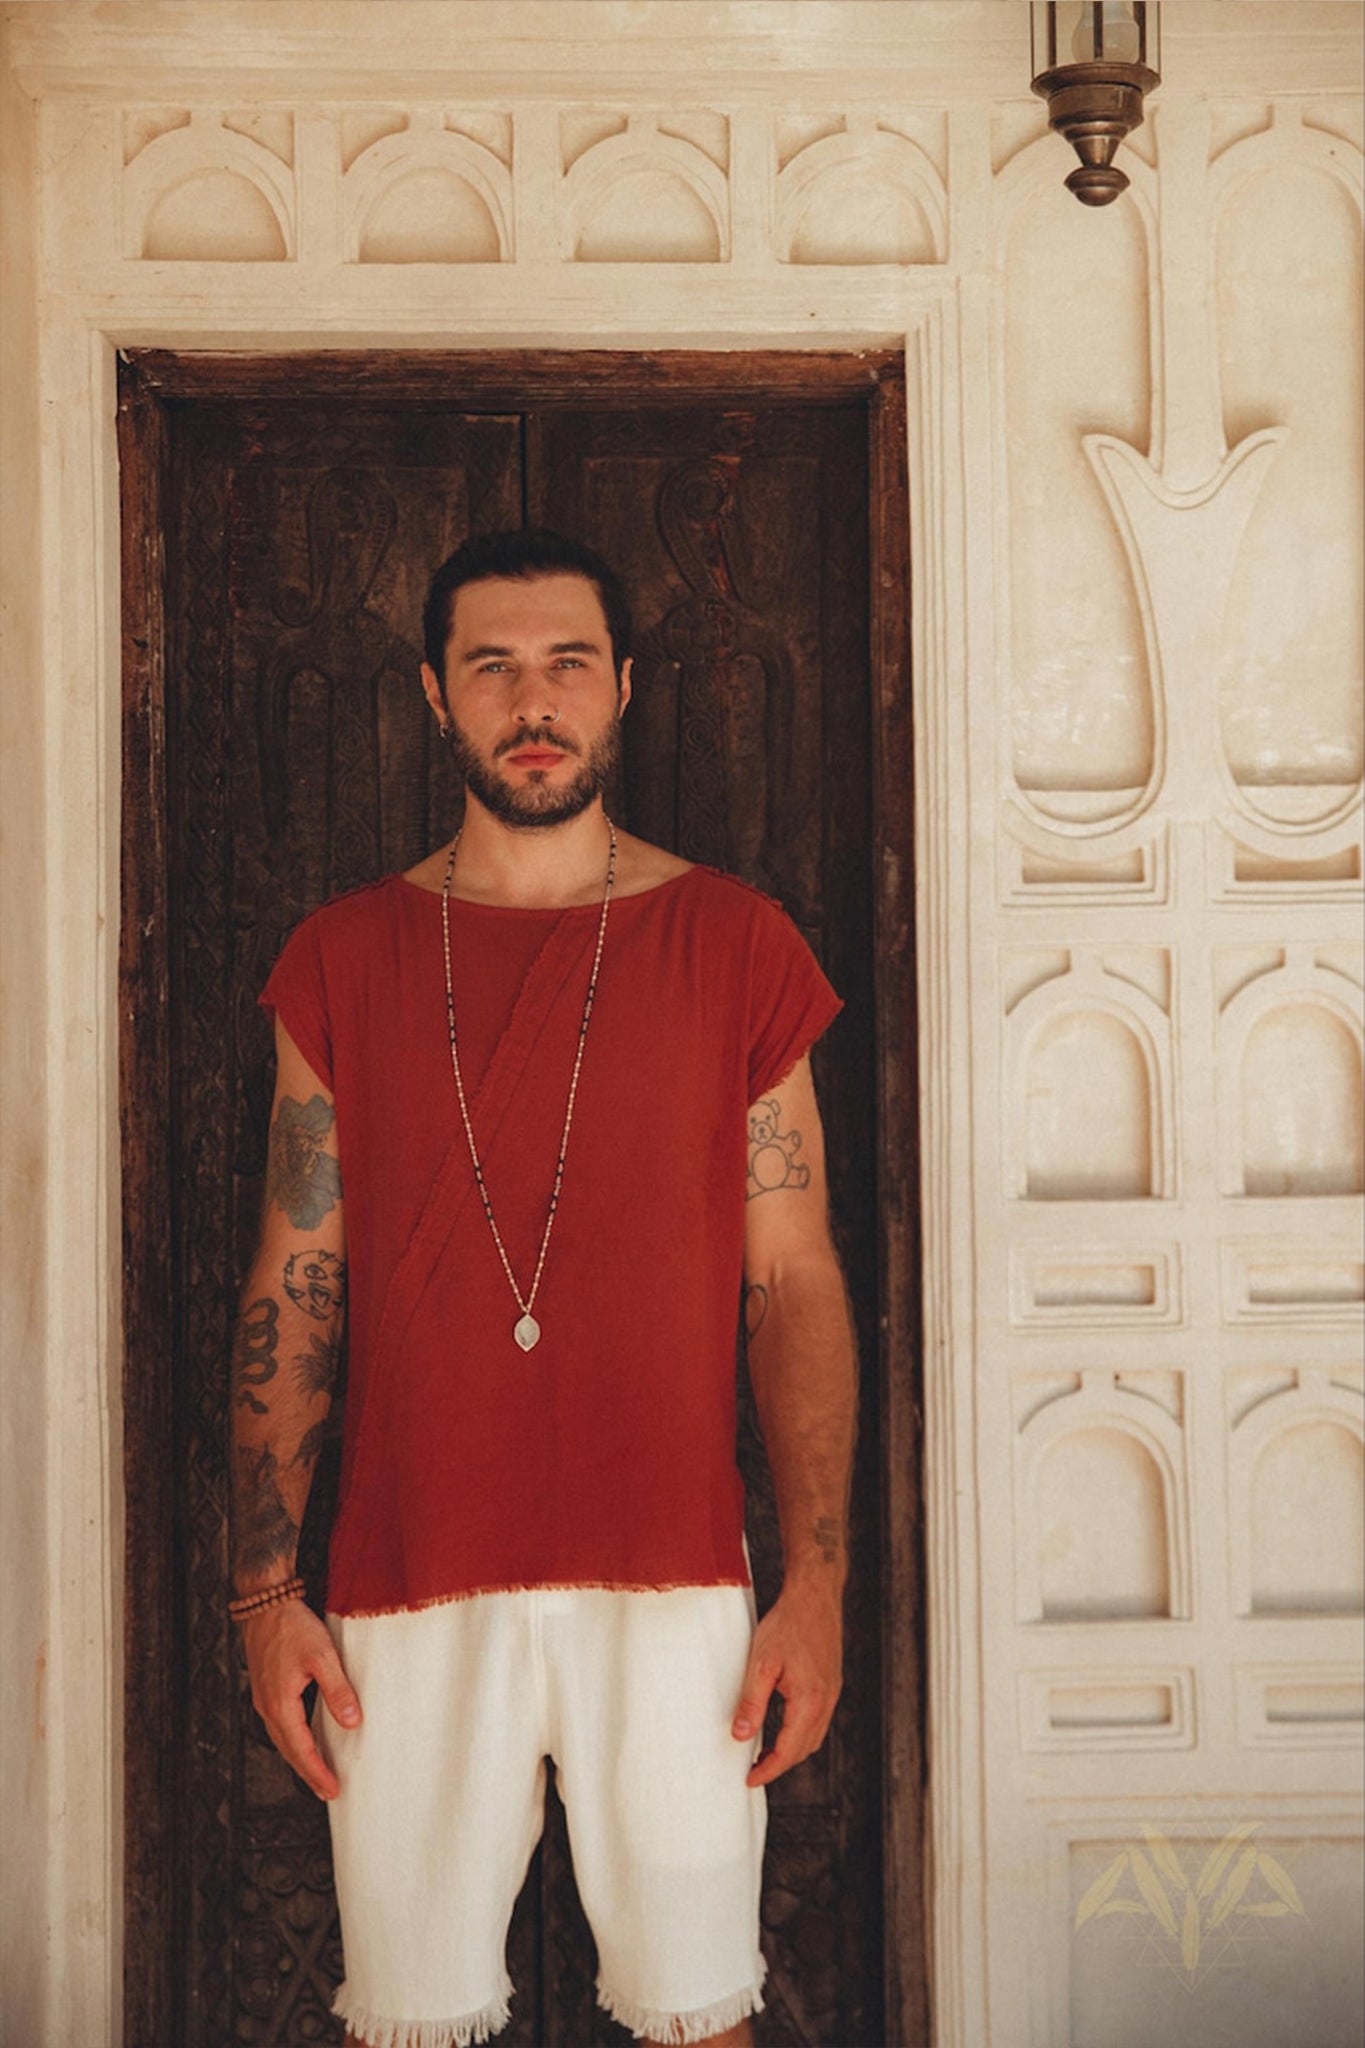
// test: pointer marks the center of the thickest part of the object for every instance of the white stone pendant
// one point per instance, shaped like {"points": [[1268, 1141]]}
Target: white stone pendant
{"points": [[527, 1333]]}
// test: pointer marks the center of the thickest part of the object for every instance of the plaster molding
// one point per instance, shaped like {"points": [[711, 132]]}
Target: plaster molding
{"points": [[1317, 1397], [895, 167], [642, 150], [1089, 989], [1101, 1404], [964, 50], [1181, 543], [1299, 984], [425, 146], [184, 156], [937, 353]]}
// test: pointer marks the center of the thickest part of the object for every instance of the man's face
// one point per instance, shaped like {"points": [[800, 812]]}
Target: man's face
{"points": [[532, 695]]}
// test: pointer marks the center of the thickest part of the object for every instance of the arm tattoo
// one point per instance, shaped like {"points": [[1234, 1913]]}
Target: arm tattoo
{"points": [[254, 1363], [755, 1308], [828, 1536], [772, 1153], [310, 1445], [315, 1281], [301, 1178], [315, 1369], [265, 1531]]}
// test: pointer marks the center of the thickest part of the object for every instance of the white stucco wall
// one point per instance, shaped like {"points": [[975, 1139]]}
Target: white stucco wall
{"points": [[1134, 469], [23, 1023]]}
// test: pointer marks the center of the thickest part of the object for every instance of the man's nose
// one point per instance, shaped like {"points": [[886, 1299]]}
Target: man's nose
{"points": [[533, 699]]}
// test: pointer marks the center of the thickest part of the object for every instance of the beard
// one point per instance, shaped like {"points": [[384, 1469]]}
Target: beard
{"points": [[536, 805]]}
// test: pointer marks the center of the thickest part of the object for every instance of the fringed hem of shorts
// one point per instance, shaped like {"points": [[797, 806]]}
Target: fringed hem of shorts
{"points": [[704, 2021], [536, 1586], [464, 2032]]}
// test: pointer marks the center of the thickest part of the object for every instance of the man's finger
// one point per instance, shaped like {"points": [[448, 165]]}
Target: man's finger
{"points": [[291, 1735], [759, 1681], [797, 1738], [339, 1695], [785, 1752]]}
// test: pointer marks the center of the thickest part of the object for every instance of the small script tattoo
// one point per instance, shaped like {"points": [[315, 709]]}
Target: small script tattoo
{"points": [[315, 1281], [315, 1370], [773, 1162], [828, 1538], [301, 1178], [265, 1530], [254, 1363], [755, 1308]]}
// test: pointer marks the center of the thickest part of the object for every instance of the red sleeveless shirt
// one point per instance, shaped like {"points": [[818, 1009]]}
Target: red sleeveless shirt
{"points": [[605, 1456]]}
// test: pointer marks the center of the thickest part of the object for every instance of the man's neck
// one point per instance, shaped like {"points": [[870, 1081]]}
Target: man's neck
{"points": [[544, 868]]}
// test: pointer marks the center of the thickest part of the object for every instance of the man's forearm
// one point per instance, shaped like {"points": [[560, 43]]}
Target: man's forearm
{"points": [[803, 1365], [284, 1366]]}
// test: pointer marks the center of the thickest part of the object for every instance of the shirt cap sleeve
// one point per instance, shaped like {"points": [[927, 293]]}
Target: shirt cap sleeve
{"points": [[296, 994], [791, 1003]]}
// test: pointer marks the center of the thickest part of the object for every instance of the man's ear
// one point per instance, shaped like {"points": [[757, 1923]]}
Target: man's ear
{"points": [[433, 692], [623, 687]]}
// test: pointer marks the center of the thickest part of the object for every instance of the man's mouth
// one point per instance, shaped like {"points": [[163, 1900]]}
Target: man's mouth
{"points": [[533, 750]]}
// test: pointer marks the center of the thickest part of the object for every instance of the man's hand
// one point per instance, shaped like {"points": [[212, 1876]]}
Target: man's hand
{"points": [[797, 1651], [286, 1648]]}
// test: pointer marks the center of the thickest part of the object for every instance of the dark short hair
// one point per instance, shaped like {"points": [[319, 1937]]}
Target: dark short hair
{"points": [[533, 551]]}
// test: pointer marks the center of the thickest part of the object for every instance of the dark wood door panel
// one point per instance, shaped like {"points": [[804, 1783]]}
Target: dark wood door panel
{"points": [[299, 761]]}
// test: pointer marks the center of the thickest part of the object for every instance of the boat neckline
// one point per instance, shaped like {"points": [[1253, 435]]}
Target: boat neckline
{"points": [[554, 909]]}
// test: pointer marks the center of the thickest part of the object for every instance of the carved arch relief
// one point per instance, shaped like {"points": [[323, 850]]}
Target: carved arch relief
{"points": [[202, 192], [865, 196], [643, 196], [428, 195], [1301, 1106], [1102, 1507], [1288, 277], [1085, 721], [1293, 1119], [1297, 1485], [1089, 1064]]}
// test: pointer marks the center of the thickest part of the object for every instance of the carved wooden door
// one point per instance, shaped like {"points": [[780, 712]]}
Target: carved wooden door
{"points": [[300, 762]]}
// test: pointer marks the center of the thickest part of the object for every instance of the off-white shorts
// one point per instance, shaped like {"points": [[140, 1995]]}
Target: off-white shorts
{"points": [[442, 1790]]}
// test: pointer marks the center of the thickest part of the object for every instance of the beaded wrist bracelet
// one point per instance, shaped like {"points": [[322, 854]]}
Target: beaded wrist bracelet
{"points": [[265, 1596]]}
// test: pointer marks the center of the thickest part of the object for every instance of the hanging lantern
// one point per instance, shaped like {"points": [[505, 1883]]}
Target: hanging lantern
{"points": [[1092, 64]]}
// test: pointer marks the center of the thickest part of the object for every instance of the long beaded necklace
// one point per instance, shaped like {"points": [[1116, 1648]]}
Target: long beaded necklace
{"points": [[526, 1330]]}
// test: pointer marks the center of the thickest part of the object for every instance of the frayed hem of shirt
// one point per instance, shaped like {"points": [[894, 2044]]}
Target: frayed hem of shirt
{"points": [[533, 1586], [464, 2032], [701, 2024]]}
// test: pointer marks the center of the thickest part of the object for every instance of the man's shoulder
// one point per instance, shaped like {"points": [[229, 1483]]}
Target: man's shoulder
{"points": [[735, 920], [730, 896], [369, 908], [711, 891]]}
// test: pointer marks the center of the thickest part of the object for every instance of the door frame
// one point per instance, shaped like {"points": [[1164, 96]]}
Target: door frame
{"points": [[150, 382]]}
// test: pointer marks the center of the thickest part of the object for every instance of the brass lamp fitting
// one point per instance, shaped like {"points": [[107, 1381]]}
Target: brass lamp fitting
{"points": [[1095, 101]]}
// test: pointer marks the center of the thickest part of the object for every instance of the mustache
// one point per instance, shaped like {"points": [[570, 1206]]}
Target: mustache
{"points": [[534, 736]]}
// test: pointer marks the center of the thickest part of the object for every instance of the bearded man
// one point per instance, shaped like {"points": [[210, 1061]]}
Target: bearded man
{"points": [[543, 1116]]}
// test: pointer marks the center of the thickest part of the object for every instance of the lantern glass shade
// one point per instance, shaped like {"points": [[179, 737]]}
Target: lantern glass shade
{"points": [[1107, 32]]}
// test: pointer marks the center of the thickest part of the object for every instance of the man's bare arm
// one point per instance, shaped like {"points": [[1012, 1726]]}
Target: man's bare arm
{"points": [[802, 1363], [284, 1364]]}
